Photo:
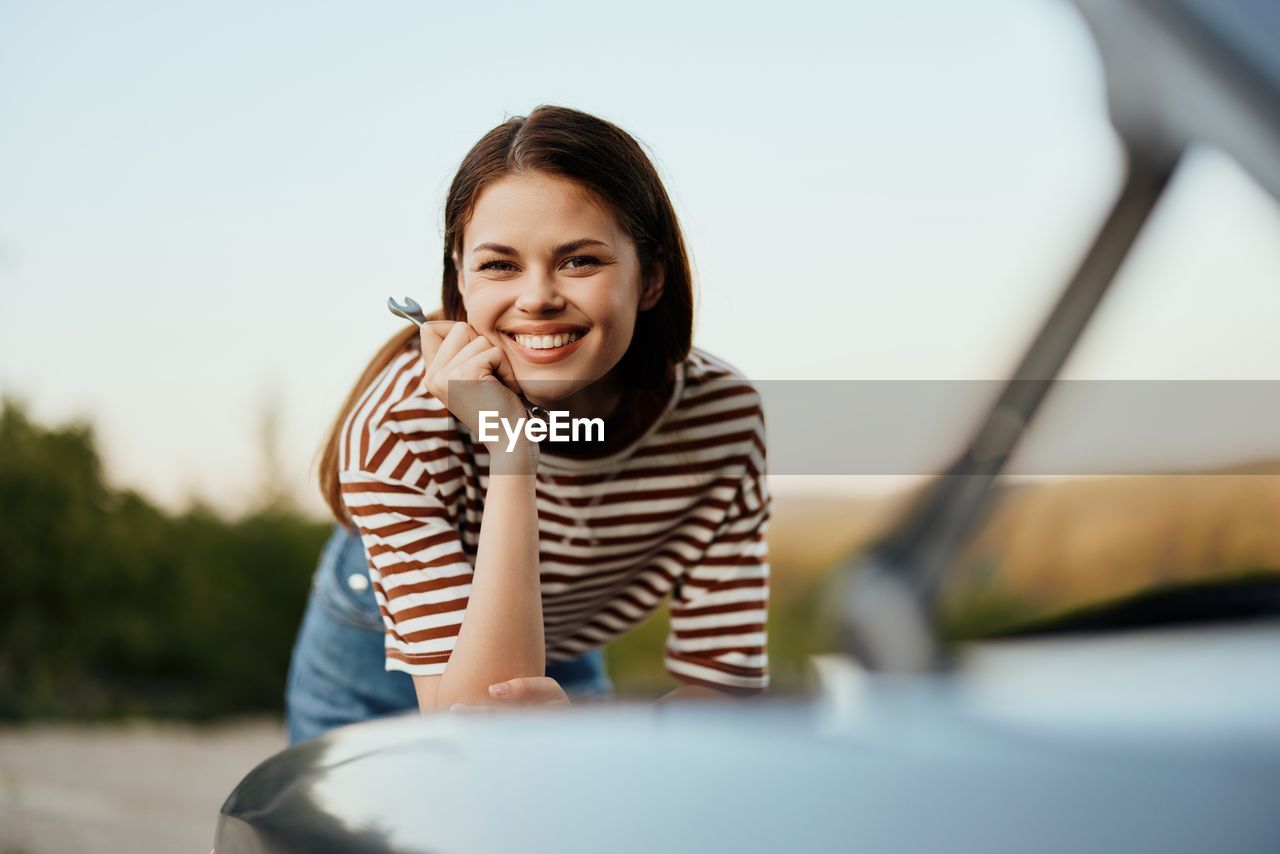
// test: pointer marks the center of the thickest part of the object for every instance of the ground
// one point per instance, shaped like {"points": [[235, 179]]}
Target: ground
{"points": [[136, 788]]}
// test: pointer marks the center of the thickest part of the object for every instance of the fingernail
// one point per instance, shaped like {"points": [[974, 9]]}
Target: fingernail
{"points": [[455, 707], [499, 689]]}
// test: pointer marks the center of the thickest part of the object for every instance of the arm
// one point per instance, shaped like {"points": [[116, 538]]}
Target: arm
{"points": [[456, 626], [401, 479], [718, 638], [502, 634], [427, 585]]}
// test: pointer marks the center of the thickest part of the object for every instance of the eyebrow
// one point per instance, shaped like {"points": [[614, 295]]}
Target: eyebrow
{"points": [[503, 249]]}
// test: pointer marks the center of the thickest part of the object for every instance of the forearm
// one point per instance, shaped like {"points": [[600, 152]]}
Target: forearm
{"points": [[501, 636]]}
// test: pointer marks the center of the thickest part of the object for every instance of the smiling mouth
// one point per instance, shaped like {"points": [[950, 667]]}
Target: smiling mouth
{"points": [[545, 342], [546, 349]]}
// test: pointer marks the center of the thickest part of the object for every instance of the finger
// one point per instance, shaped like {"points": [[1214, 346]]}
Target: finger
{"points": [[504, 371], [482, 364], [431, 334], [506, 374], [463, 368], [526, 689], [430, 337], [483, 367], [466, 353], [458, 337]]}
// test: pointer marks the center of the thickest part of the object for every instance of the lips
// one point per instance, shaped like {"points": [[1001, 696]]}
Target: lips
{"points": [[543, 345], [546, 342]]}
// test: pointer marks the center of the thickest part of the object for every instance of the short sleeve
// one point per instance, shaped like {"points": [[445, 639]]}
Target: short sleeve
{"points": [[421, 576], [719, 610]]}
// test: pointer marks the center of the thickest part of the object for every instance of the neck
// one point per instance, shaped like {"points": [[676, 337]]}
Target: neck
{"points": [[626, 413], [598, 400]]}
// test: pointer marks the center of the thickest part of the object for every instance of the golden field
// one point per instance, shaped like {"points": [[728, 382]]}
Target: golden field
{"points": [[1043, 549]]}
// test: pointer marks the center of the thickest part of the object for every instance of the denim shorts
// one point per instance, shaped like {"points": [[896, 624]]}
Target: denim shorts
{"points": [[337, 672]]}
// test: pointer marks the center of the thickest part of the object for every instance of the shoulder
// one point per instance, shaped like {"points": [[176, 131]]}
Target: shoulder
{"points": [[719, 414], [712, 385], [701, 365], [720, 424], [395, 418]]}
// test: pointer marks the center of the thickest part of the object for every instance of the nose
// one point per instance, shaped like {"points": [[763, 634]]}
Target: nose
{"points": [[540, 294]]}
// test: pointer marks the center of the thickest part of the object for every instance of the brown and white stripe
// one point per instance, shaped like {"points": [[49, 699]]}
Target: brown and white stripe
{"points": [[682, 512]]}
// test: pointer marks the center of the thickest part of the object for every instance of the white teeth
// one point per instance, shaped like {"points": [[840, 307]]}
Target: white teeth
{"points": [[547, 342]]}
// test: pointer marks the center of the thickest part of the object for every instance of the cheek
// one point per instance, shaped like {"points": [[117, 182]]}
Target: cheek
{"points": [[618, 326], [617, 309], [482, 312]]}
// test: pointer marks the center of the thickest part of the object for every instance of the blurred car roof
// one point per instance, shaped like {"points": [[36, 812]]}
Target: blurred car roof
{"points": [[1182, 72], [1162, 740]]}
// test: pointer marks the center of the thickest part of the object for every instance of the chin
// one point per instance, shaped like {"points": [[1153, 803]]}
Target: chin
{"points": [[550, 389]]}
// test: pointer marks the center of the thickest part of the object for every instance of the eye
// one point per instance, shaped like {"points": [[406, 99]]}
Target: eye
{"points": [[588, 262], [500, 266]]}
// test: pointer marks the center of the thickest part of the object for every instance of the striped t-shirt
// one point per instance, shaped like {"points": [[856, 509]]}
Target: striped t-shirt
{"points": [[682, 510]]}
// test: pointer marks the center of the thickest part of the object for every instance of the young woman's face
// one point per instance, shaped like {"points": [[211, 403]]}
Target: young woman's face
{"points": [[550, 276]]}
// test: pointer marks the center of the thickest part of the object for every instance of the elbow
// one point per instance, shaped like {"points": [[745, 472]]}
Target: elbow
{"points": [[448, 697], [440, 693]]}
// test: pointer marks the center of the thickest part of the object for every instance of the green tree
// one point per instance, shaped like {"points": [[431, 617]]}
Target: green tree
{"points": [[109, 605]]}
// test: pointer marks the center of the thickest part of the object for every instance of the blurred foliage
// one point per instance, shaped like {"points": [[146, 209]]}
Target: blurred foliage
{"points": [[110, 606]]}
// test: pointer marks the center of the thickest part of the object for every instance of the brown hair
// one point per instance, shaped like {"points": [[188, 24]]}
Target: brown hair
{"points": [[610, 164]]}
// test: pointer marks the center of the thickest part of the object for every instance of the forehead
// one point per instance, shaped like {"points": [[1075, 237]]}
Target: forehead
{"points": [[533, 211]]}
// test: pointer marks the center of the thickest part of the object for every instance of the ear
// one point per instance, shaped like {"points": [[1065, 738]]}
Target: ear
{"points": [[654, 283]]}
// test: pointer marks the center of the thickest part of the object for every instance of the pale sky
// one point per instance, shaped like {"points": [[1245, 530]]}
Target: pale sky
{"points": [[203, 208]]}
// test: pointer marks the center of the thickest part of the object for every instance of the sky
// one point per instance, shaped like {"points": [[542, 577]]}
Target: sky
{"points": [[203, 207]]}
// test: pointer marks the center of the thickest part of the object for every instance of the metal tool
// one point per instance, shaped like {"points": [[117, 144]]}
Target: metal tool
{"points": [[410, 310]]}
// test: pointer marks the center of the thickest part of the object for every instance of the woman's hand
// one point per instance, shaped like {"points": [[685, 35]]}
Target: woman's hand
{"points": [[480, 374], [519, 693]]}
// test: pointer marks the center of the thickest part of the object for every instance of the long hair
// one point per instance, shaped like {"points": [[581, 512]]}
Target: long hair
{"points": [[610, 164]]}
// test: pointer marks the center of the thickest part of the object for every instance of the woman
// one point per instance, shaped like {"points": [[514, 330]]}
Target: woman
{"points": [[567, 286]]}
